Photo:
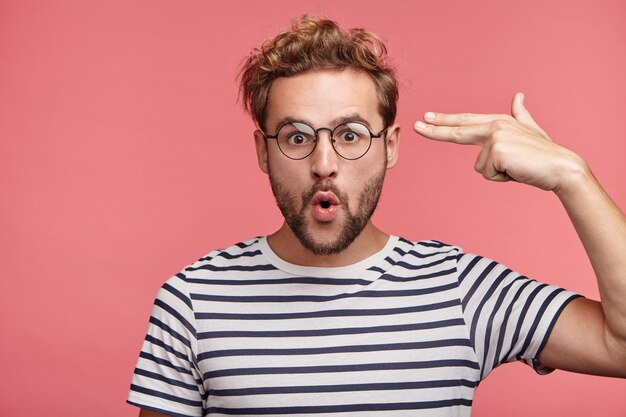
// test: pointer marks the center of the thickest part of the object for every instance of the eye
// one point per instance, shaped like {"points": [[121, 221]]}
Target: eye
{"points": [[296, 134], [348, 137], [298, 139], [351, 133]]}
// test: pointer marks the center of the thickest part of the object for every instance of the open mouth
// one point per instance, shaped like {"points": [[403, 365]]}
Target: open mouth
{"points": [[325, 206], [325, 199]]}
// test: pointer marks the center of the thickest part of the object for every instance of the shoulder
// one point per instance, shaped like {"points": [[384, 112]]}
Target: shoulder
{"points": [[232, 265], [177, 292], [426, 248], [242, 256], [463, 264]]}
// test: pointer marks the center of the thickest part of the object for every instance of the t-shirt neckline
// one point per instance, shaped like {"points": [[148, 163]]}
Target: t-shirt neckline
{"points": [[348, 271]]}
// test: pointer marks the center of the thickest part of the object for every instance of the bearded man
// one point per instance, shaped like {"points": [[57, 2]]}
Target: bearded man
{"points": [[330, 315]]}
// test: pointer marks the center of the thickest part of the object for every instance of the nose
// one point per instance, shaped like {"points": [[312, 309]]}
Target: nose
{"points": [[324, 159]]}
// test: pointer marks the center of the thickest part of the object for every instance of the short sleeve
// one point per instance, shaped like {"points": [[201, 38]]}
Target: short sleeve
{"points": [[509, 316], [166, 378]]}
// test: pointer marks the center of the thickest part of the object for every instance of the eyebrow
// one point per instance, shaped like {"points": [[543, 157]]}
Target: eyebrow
{"points": [[354, 117]]}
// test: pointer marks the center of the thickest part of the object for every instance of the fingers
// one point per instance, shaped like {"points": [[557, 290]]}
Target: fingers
{"points": [[514, 148], [463, 128], [485, 166], [518, 111], [522, 115], [471, 128], [465, 135], [462, 119]]}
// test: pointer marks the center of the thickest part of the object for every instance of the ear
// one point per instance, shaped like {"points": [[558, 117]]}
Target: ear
{"points": [[261, 150], [393, 144]]}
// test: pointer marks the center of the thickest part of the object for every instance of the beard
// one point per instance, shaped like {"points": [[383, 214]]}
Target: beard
{"points": [[353, 225]]}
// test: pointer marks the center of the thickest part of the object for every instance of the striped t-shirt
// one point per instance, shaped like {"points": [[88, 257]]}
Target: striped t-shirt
{"points": [[409, 331]]}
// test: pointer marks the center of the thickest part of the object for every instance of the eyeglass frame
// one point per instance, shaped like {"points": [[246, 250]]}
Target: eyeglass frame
{"points": [[332, 140]]}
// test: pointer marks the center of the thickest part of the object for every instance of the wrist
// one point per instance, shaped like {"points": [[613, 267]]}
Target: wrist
{"points": [[576, 177]]}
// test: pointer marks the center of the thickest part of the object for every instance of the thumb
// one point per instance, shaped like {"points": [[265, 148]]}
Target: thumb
{"points": [[522, 115]]}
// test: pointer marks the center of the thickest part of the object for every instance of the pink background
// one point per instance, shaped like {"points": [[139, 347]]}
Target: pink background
{"points": [[124, 156]]}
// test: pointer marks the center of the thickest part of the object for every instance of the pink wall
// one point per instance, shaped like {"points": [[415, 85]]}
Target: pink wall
{"points": [[124, 156]]}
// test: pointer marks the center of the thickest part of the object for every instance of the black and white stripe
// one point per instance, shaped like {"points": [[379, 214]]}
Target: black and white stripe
{"points": [[414, 327]]}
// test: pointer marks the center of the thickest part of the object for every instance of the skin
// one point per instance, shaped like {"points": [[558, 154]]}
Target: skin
{"points": [[354, 218], [589, 336], [305, 97]]}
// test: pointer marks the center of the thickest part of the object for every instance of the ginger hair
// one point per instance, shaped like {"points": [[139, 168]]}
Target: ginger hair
{"points": [[317, 44]]}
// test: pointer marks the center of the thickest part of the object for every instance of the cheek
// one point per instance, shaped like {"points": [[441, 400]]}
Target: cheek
{"points": [[287, 174], [368, 167], [355, 183]]}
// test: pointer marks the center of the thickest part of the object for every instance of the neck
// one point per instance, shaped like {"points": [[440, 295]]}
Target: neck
{"points": [[287, 246]]}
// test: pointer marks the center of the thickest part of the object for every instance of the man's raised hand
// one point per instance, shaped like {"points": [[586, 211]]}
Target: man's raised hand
{"points": [[513, 147]]}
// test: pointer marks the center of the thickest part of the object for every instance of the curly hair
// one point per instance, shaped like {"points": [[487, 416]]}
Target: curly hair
{"points": [[317, 44]]}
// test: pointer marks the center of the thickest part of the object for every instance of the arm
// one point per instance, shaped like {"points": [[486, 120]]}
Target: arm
{"points": [[589, 336], [601, 227]]}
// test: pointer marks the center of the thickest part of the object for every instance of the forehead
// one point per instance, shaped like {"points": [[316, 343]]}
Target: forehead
{"points": [[323, 97]]}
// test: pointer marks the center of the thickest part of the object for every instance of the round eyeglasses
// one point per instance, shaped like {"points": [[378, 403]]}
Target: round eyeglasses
{"points": [[351, 140]]}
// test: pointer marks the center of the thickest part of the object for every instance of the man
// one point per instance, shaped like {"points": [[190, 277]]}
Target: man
{"points": [[331, 315]]}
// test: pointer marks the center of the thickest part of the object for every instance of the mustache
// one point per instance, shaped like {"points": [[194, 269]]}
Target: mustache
{"points": [[323, 186]]}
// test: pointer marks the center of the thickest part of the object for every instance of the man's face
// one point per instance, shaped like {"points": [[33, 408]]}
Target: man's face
{"points": [[326, 200]]}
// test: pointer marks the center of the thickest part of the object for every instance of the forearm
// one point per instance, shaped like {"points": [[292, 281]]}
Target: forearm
{"points": [[601, 226]]}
